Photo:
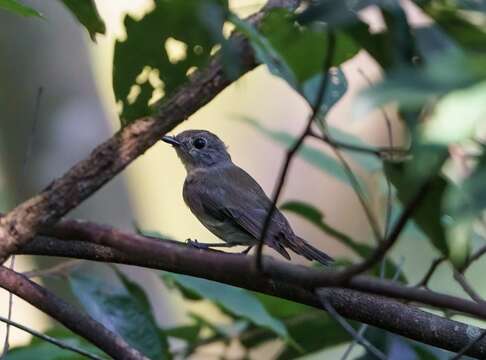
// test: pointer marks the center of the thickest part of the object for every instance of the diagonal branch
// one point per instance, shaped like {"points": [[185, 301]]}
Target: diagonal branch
{"points": [[112, 156], [67, 315]]}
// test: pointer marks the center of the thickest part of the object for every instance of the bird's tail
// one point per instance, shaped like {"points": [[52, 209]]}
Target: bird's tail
{"points": [[301, 247]]}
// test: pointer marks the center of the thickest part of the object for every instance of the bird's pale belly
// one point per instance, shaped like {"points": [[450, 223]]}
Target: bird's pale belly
{"points": [[228, 232]]}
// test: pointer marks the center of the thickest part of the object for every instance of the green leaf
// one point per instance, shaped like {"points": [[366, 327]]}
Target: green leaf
{"points": [[87, 14], [312, 329], [408, 177], [18, 8], [189, 333], [40, 349], [316, 217], [468, 105], [236, 301], [297, 53], [309, 154], [413, 87], [462, 26], [119, 305], [142, 63]]}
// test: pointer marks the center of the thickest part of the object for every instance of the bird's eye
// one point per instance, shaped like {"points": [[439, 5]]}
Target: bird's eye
{"points": [[199, 143]]}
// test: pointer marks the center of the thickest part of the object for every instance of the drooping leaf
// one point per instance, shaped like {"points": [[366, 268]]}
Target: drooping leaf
{"points": [[409, 176], [119, 305], [18, 8], [234, 300], [462, 26], [159, 52], [87, 14], [297, 54], [40, 349]]}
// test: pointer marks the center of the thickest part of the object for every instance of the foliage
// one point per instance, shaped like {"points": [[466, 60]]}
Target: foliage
{"points": [[17, 7], [436, 77]]}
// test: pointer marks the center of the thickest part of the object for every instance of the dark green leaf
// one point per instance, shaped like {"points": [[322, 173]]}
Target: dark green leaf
{"points": [[234, 300], [142, 62], [297, 53], [18, 8], [188, 333], [119, 305], [312, 329], [40, 349], [409, 176], [87, 14], [462, 26]]}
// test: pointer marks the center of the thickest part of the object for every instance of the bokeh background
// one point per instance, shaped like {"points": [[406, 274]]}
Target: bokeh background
{"points": [[55, 58]]}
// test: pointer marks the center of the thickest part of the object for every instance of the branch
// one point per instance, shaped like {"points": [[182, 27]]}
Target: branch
{"points": [[67, 315], [112, 156], [52, 340], [287, 281]]}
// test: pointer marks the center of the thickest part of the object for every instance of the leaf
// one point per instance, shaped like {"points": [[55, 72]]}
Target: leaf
{"points": [[188, 333], [159, 52], [40, 349], [18, 8], [413, 87], [462, 26], [119, 305], [468, 105], [297, 53], [309, 154], [234, 300], [87, 14], [409, 176], [312, 329]]}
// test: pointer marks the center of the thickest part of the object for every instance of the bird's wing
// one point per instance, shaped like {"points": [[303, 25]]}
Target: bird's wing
{"points": [[245, 204]]}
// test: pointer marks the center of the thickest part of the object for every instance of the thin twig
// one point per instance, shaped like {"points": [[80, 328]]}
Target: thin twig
{"points": [[383, 248], [61, 269], [331, 44], [474, 257], [364, 327], [369, 347], [468, 289], [433, 266], [382, 152], [50, 339]]}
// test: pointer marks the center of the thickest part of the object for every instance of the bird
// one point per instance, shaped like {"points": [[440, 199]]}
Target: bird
{"points": [[229, 202]]}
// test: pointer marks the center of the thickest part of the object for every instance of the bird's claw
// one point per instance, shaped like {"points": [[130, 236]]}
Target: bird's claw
{"points": [[196, 245]]}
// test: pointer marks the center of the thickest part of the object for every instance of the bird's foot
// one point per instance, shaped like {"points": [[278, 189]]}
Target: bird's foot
{"points": [[196, 245]]}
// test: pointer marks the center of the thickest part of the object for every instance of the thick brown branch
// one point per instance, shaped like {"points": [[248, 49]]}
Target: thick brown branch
{"points": [[287, 281], [67, 315], [111, 157]]}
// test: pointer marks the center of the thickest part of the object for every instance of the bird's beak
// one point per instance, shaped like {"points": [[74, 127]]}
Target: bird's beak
{"points": [[170, 140]]}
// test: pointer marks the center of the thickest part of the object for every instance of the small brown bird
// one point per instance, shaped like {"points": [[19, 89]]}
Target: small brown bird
{"points": [[229, 202]]}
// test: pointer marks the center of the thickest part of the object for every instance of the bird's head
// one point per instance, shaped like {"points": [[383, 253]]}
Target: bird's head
{"points": [[198, 149]]}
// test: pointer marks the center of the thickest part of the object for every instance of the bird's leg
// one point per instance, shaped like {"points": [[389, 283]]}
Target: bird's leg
{"points": [[204, 246], [247, 250]]}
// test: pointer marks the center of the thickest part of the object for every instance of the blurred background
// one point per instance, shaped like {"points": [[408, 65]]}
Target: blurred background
{"points": [[54, 63]]}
